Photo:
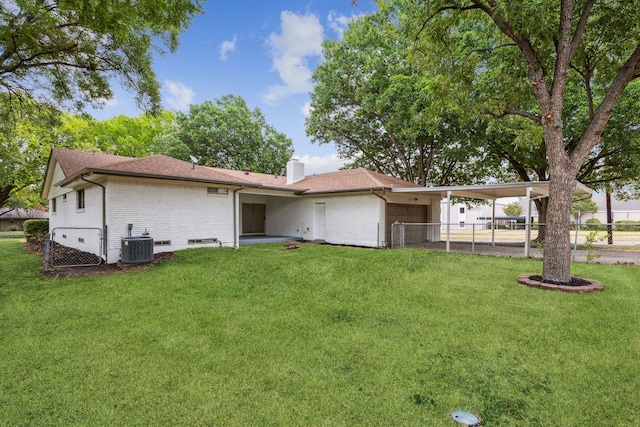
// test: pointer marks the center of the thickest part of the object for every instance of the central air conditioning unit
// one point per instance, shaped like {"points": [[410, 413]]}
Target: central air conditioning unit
{"points": [[136, 250]]}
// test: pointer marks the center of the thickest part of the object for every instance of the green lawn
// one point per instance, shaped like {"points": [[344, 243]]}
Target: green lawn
{"points": [[319, 336]]}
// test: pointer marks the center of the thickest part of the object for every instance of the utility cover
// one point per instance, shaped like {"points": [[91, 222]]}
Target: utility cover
{"points": [[465, 418]]}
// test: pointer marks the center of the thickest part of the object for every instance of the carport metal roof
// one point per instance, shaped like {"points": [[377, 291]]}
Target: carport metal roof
{"points": [[534, 190], [529, 190]]}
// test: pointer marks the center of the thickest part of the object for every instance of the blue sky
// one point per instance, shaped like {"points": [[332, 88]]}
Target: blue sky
{"points": [[261, 50]]}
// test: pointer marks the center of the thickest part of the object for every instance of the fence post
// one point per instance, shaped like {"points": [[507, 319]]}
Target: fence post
{"points": [[448, 220], [47, 242], [527, 226], [575, 242], [473, 237], [402, 224]]}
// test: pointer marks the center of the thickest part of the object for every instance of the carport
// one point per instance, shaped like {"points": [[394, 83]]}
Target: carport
{"points": [[529, 190]]}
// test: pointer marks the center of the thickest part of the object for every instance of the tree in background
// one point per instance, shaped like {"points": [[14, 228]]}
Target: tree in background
{"points": [[62, 51], [120, 135], [538, 49], [383, 113], [25, 140], [582, 205], [512, 209], [226, 134]]}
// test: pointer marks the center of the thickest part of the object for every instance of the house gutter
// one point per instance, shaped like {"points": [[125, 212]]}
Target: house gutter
{"points": [[104, 217], [236, 232]]}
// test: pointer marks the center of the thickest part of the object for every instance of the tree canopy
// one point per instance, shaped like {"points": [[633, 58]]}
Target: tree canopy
{"points": [[512, 209], [581, 205], [25, 140], [372, 102], [120, 135], [68, 51], [227, 134]]}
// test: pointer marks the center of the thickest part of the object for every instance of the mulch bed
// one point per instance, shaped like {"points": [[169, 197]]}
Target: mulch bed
{"points": [[37, 247], [577, 284]]}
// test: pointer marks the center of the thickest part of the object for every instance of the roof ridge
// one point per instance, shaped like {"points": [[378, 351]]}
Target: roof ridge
{"points": [[371, 175]]}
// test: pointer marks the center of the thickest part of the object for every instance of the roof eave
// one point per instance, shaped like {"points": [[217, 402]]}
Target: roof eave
{"points": [[90, 171]]}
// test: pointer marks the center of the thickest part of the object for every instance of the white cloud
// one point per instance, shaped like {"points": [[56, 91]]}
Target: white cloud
{"points": [[227, 46], [106, 102], [317, 164], [339, 23], [306, 109], [301, 37], [180, 96]]}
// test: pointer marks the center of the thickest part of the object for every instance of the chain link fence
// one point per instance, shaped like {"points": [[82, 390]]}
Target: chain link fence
{"points": [[73, 247], [405, 235]]}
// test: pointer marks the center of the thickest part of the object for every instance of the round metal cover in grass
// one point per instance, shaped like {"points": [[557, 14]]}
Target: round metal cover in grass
{"points": [[465, 418]]}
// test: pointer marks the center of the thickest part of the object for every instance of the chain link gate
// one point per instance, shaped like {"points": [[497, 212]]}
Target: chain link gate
{"points": [[74, 247]]}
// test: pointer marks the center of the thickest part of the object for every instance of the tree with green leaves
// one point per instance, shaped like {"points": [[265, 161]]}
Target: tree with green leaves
{"points": [[582, 205], [227, 134], [120, 135], [61, 51], [512, 209], [613, 165], [525, 56], [370, 100], [25, 141]]}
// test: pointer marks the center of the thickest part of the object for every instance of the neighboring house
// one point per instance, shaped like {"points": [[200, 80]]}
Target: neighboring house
{"points": [[622, 210], [182, 205], [465, 217], [11, 219]]}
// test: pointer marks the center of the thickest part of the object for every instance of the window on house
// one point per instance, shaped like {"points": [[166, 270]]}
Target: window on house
{"points": [[64, 198], [80, 199], [217, 191], [54, 205], [462, 210]]}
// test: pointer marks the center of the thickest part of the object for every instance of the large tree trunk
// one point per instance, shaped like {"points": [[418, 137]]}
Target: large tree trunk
{"points": [[4, 194], [541, 207], [556, 264]]}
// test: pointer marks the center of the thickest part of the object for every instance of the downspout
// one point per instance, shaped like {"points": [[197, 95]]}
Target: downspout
{"points": [[104, 218], [236, 232]]}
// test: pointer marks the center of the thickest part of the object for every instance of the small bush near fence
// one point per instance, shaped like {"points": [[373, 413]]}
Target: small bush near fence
{"points": [[594, 224], [627, 226], [36, 229]]}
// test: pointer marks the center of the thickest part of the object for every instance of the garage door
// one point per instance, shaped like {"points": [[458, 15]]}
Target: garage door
{"points": [[404, 213]]}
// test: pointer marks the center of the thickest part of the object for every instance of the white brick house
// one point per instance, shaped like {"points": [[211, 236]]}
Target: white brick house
{"points": [[182, 205]]}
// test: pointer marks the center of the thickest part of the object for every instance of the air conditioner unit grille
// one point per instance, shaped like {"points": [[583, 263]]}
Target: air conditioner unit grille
{"points": [[136, 250]]}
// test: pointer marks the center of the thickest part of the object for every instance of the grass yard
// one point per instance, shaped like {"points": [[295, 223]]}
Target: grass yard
{"points": [[321, 335]]}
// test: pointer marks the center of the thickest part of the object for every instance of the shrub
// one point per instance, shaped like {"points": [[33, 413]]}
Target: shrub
{"points": [[14, 228], [626, 225], [36, 229], [594, 224]]}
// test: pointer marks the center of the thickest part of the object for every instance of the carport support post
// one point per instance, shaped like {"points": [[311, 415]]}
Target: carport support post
{"points": [[493, 223], [448, 220], [527, 237]]}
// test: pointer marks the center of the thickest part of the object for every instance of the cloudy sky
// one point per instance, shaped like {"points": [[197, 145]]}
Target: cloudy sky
{"points": [[263, 51]]}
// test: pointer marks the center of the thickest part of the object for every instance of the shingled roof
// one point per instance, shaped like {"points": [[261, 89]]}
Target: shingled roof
{"points": [[76, 163]]}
